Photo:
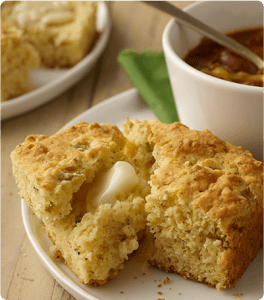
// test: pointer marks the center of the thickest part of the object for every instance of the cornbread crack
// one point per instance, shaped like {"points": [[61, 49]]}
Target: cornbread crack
{"points": [[205, 207]]}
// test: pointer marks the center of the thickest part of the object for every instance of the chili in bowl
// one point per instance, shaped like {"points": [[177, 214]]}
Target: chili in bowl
{"points": [[213, 59], [229, 109]]}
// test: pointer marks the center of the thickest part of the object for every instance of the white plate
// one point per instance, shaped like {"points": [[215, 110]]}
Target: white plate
{"points": [[49, 83], [143, 287]]}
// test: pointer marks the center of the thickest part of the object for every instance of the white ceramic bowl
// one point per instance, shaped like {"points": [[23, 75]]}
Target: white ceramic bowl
{"points": [[232, 111]]}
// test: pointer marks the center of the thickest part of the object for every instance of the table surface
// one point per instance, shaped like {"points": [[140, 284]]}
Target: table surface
{"points": [[23, 275]]}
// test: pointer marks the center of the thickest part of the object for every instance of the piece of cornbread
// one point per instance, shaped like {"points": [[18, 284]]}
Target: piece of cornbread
{"points": [[63, 32], [59, 177], [205, 206]]}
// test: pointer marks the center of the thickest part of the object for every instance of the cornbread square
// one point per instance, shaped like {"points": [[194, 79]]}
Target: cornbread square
{"points": [[205, 207], [63, 32], [55, 176], [18, 58]]}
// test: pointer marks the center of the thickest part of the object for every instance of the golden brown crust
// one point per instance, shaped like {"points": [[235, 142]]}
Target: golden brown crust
{"points": [[51, 169], [249, 238], [97, 282], [177, 140], [221, 177], [47, 158]]}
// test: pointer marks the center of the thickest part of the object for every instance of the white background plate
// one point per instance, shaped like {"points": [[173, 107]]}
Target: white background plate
{"points": [[49, 83], [143, 287]]}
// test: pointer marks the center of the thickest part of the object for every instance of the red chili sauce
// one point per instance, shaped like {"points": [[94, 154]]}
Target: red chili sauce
{"points": [[215, 60]]}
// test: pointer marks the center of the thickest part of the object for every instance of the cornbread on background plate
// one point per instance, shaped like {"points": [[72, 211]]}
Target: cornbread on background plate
{"points": [[205, 207], [63, 32], [18, 59], [58, 178]]}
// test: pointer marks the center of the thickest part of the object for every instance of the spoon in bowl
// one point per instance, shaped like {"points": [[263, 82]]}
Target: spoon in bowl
{"points": [[207, 31]]}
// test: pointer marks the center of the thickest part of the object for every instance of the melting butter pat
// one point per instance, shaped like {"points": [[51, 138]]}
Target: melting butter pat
{"points": [[106, 186]]}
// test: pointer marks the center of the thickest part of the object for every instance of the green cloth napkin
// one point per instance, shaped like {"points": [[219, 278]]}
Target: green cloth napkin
{"points": [[147, 71]]}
